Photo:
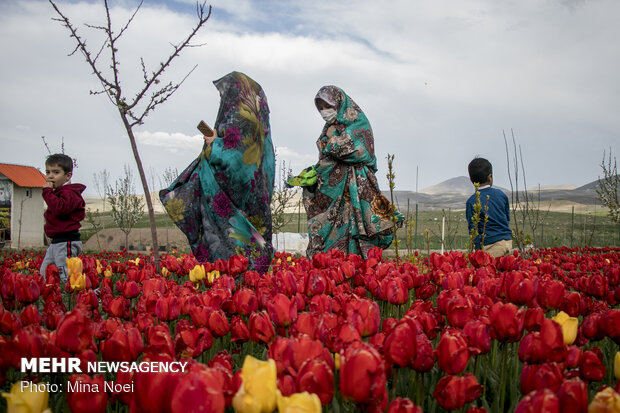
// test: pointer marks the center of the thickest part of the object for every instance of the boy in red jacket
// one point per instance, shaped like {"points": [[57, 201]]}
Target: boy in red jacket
{"points": [[65, 211]]}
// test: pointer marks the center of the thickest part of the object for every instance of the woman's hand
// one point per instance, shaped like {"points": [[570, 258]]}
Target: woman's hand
{"points": [[330, 132], [209, 139]]}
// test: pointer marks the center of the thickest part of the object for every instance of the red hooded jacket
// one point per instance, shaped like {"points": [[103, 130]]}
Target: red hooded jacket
{"points": [[65, 209]]}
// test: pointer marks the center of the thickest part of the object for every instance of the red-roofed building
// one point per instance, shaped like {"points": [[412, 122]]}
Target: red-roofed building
{"points": [[21, 206]]}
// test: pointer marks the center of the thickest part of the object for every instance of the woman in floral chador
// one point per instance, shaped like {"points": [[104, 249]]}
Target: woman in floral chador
{"points": [[221, 201], [346, 209]]}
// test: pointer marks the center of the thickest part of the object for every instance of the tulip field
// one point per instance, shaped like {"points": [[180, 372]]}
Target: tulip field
{"points": [[335, 333]]}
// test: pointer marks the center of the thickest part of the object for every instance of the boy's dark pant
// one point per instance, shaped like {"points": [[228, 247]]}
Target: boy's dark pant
{"points": [[57, 254]]}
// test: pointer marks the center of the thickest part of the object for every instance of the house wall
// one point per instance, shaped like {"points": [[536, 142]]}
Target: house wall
{"points": [[27, 203]]}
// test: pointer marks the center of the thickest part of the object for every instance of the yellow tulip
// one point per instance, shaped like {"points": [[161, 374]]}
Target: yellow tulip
{"points": [[257, 393], [617, 365], [569, 326], [26, 400], [337, 360], [107, 273], [19, 265], [197, 273], [74, 266], [99, 267], [165, 272], [212, 275], [299, 403], [77, 282], [605, 401]]}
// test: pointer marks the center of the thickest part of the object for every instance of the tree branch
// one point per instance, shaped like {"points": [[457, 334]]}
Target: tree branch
{"points": [[202, 19]]}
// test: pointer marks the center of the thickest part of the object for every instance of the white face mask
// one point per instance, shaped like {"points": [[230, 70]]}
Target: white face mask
{"points": [[329, 115]]}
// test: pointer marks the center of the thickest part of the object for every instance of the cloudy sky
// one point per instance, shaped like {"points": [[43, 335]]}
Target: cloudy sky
{"points": [[441, 82]]}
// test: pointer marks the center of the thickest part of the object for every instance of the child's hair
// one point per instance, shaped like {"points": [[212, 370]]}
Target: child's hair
{"points": [[62, 160], [479, 170]]}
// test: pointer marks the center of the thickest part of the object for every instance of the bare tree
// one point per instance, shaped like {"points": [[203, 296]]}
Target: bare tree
{"points": [[525, 211], [280, 200], [167, 178], [127, 208], [607, 189], [132, 110]]}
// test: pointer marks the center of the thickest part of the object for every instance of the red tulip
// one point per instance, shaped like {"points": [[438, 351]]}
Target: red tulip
{"points": [[282, 310], [158, 340], [238, 330], [573, 396], [550, 294], [539, 401], [591, 367], [452, 351], [519, 288], [303, 348], [118, 307], [459, 311], [198, 391], [453, 392], [237, 264], [425, 355], [199, 315], [88, 395], [507, 321], [400, 344], [130, 289], [192, 342], [245, 301], [400, 405], [480, 258], [478, 336], [364, 315], [154, 391], [540, 376], [316, 376], [218, 323], [533, 319], [30, 315], [123, 345], [261, 328], [167, 308], [74, 333], [548, 344], [362, 375], [396, 291], [306, 323]]}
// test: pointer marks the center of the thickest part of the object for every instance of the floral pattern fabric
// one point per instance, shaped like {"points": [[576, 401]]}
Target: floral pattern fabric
{"points": [[346, 209], [221, 201]]}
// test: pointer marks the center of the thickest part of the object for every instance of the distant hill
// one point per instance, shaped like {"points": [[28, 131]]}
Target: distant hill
{"points": [[453, 193], [458, 185]]}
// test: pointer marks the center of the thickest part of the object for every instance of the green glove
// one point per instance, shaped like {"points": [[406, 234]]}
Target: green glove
{"points": [[307, 177]]}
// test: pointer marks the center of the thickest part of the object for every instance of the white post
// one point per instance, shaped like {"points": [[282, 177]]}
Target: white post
{"points": [[443, 223]]}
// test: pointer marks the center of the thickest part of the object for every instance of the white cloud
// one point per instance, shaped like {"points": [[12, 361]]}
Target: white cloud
{"points": [[174, 141]]}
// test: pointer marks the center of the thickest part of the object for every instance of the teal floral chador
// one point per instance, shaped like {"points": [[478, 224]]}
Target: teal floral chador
{"points": [[221, 200], [345, 209]]}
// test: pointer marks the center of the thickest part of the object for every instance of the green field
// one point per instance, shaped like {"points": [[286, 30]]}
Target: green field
{"points": [[554, 229]]}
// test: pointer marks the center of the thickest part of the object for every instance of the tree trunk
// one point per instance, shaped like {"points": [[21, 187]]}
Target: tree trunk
{"points": [[145, 186]]}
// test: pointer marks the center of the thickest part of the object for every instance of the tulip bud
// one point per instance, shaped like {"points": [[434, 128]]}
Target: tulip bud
{"points": [[569, 326], [19, 400], [74, 265], [197, 273], [258, 389], [605, 401], [299, 402]]}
